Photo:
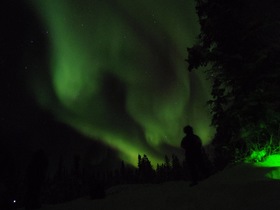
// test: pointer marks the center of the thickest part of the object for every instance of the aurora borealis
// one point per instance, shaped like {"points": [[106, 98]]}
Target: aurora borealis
{"points": [[118, 73]]}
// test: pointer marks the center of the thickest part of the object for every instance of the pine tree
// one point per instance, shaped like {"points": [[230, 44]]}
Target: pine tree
{"points": [[176, 168], [145, 169], [35, 177], [240, 51], [167, 168]]}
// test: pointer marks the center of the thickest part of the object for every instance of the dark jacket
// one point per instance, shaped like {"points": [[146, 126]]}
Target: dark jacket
{"points": [[192, 145]]}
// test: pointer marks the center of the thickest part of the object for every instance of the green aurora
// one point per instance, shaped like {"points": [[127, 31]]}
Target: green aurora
{"points": [[118, 73]]}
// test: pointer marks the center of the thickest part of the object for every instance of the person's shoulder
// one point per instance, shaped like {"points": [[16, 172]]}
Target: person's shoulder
{"points": [[184, 139], [196, 137]]}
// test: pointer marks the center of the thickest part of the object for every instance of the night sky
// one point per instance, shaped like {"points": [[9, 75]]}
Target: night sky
{"points": [[104, 79]]}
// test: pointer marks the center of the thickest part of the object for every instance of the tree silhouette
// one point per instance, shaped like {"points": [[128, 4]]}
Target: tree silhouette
{"points": [[145, 169], [35, 177], [97, 188], [177, 169], [240, 49]]}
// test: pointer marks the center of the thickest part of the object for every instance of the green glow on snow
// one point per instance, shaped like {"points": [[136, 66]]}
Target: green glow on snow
{"points": [[119, 75]]}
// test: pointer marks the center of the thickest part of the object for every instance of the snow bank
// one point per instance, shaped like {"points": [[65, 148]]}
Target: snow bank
{"points": [[240, 187]]}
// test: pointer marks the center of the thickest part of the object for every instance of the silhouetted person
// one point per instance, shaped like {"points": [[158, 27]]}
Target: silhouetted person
{"points": [[192, 145]]}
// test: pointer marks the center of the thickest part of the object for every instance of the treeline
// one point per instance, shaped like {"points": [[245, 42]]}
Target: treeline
{"points": [[67, 183], [75, 182]]}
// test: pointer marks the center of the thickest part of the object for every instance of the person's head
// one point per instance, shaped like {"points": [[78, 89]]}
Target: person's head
{"points": [[188, 129]]}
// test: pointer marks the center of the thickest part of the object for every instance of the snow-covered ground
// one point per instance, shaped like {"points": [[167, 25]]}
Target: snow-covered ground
{"points": [[240, 187]]}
